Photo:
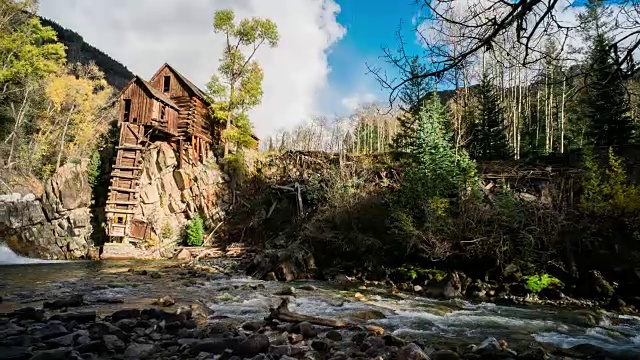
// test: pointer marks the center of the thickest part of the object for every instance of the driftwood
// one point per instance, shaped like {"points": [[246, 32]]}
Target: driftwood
{"points": [[282, 313]]}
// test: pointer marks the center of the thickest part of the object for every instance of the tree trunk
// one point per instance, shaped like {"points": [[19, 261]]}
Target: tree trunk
{"points": [[64, 135]]}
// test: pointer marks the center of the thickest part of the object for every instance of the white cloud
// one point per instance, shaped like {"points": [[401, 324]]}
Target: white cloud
{"points": [[354, 101], [143, 34]]}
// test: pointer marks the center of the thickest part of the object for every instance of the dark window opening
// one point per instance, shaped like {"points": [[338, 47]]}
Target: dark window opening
{"points": [[119, 220], [167, 84], [162, 112], [134, 120], [127, 110]]}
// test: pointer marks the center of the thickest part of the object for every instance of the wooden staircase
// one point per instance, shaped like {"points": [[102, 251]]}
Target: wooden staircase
{"points": [[124, 191]]}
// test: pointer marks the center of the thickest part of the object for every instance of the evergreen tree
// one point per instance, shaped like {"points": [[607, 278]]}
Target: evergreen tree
{"points": [[603, 101], [412, 98], [437, 170], [271, 148], [489, 140]]}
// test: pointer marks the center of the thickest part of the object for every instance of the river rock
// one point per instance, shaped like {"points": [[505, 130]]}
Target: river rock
{"points": [[72, 301], [214, 345], [57, 354], [334, 335], [372, 342], [90, 347], [253, 325], [322, 345], [113, 343], [286, 350], [449, 287], [62, 341], [307, 330], [288, 291], [391, 340], [412, 352], [125, 314], [15, 353], [164, 301], [136, 350], [50, 331], [81, 317], [445, 355], [28, 313], [253, 345]]}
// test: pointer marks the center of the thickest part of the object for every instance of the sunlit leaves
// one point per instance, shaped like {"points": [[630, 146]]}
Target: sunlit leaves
{"points": [[237, 87], [29, 51], [223, 21]]}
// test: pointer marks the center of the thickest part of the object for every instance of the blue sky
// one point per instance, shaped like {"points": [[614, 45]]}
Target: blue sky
{"points": [[370, 26], [318, 66]]}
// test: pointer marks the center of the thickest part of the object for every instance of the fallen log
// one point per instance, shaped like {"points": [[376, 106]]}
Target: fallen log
{"points": [[282, 313]]}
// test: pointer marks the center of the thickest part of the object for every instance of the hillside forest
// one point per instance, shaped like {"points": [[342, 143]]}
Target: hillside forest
{"points": [[465, 168]]}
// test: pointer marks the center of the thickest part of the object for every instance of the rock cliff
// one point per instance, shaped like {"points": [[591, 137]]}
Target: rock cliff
{"points": [[169, 198], [55, 226]]}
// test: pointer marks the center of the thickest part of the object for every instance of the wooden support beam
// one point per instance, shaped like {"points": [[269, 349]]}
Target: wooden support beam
{"points": [[113, 188], [119, 211], [118, 202], [130, 147], [127, 167]]}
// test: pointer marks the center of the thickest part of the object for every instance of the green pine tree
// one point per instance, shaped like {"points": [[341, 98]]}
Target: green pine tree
{"points": [[412, 98], [603, 100], [437, 169], [489, 139]]}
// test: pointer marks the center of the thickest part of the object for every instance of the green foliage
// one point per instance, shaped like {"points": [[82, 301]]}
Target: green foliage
{"points": [[537, 283], [94, 169], [194, 232], [408, 272], [238, 85], [436, 180], [29, 50], [489, 140], [167, 231], [607, 192], [437, 171], [236, 167], [412, 97], [603, 99]]}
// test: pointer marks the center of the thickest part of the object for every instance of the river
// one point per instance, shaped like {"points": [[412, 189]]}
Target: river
{"points": [[27, 282]]}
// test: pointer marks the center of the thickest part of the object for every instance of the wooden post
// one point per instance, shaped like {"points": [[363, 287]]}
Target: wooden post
{"points": [[180, 155]]}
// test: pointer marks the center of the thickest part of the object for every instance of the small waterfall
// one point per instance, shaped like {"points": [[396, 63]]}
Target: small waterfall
{"points": [[8, 257]]}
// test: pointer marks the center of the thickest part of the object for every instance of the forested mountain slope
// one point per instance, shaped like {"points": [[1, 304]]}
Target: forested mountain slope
{"points": [[116, 74]]}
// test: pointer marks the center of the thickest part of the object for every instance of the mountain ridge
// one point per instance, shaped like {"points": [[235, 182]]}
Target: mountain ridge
{"points": [[79, 51]]}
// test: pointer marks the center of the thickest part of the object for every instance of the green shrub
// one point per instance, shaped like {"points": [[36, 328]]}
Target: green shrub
{"points": [[94, 169], [537, 283], [167, 231], [606, 192], [194, 232]]}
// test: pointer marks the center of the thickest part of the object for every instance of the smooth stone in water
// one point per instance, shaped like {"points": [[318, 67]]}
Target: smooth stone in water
{"points": [[412, 352], [72, 301]]}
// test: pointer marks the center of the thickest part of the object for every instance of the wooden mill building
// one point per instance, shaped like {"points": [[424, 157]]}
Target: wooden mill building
{"points": [[169, 108]]}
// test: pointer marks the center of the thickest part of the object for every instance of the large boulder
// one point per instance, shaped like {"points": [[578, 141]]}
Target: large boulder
{"points": [[17, 211], [68, 189], [56, 227]]}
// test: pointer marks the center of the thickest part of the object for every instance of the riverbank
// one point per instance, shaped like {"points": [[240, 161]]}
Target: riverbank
{"points": [[155, 310]]}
